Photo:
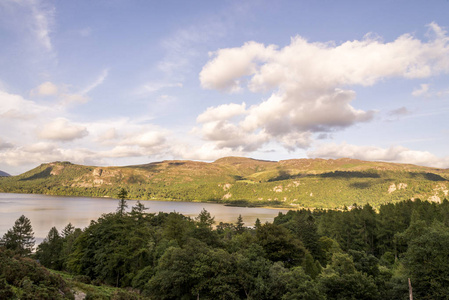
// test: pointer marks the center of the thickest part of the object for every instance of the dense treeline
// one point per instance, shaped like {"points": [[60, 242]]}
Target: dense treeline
{"points": [[356, 253]]}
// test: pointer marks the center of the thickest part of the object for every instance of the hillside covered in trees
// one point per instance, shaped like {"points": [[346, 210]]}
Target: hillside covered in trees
{"points": [[296, 183], [303, 254]]}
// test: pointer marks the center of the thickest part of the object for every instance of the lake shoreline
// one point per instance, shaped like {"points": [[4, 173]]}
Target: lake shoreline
{"points": [[47, 211], [236, 203]]}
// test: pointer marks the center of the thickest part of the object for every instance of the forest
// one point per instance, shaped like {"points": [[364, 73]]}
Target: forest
{"points": [[356, 253]]}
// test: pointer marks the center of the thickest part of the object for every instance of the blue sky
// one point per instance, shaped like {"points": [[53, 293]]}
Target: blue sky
{"points": [[130, 82]]}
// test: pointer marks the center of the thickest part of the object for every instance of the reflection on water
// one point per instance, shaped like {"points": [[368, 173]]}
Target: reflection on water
{"points": [[48, 211]]}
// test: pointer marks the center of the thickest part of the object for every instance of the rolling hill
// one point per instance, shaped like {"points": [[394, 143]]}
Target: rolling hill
{"points": [[4, 174], [296, 183]]}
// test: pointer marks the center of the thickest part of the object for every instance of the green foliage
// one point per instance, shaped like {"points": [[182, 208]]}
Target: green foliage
{"points": [[426, 260], [329, 184], [23, 278], [341, 280], [354, 253], [280, 245], [20, 238], [49, 252], [122, 195]]}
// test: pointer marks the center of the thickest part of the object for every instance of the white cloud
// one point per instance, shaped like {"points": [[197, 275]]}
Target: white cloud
{"points": [[45, 89], [100, 79], [311, 66], [229, 65], [72, 98], [145, 139], [207, 152], [62, 130], [222, 112], [34, 17], [15, 107], [5, 145], [152, 87], [401, 111], [64, 95], [43, 16], [422, 90], [32, 155], [107, 135], [396, 154], [309, 84]]}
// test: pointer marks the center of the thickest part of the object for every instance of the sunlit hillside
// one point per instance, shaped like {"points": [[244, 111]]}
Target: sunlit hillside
{"points": [[311, 183]]}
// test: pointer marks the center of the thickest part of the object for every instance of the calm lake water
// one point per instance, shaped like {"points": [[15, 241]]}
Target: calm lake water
{"points": [[45, 211]]}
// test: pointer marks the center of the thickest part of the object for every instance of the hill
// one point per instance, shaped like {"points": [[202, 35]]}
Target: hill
{"points": [[311, 183], [4, 174]]}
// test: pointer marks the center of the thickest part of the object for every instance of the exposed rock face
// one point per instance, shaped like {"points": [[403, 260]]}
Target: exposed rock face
{"points": [[393, 187], [227, 196], [277, 189], [402, 186], [441, 188], [97, 172], [434, 199], [226, 186]]}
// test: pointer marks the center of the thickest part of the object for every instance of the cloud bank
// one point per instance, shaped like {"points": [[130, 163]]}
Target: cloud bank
{"points": [[310, 86], [396, 154]]}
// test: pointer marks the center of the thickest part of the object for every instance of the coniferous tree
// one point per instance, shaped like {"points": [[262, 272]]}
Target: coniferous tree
{"points": [[49, 252], [20, 238], [122, 195], [68, 230], [239, 227]]}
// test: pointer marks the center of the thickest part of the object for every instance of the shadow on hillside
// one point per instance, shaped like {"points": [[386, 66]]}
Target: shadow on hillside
{"points": [[153, 167], [427, 176], [349, 174], [284, 175], [43, 174], [360, 185]]}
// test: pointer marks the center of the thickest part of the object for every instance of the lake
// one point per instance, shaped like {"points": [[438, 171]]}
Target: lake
{"points": [[46, 211]]}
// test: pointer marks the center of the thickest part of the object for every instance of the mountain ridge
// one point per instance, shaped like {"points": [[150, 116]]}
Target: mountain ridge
{"points": [[4, 174], [295, 183]]}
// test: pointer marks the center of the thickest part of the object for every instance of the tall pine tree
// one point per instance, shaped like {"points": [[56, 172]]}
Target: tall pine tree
{"points": [[20, 238]]}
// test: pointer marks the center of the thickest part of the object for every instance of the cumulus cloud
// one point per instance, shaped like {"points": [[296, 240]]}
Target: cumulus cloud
{"points": [[64, 95], [34, 154], [146, 139], [222, 112], [309, 82], [62, 130], [45, 89], [16, 107], [396, 154]]}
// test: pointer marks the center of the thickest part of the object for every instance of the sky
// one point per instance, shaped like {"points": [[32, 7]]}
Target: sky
{"points": [[125, 82]]}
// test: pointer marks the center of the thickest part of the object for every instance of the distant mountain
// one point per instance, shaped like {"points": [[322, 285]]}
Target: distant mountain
{"points": [[4, 174], [296, 183]]}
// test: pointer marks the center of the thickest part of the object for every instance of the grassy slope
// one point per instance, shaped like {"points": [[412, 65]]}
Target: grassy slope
{"points": [[292, 183]]}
